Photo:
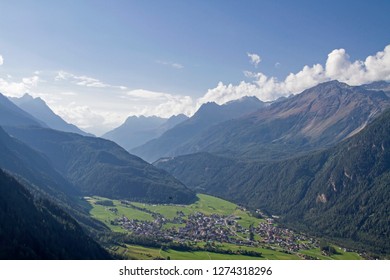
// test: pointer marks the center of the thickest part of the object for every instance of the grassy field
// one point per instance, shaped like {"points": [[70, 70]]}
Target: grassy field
{"points": [[139, 252], [341, 255], [105, 215], [207, 205]]}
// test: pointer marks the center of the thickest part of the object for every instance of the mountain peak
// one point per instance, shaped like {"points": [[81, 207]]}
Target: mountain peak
{"points": [[26, 97], [243, 99], [38, 108], [331, 85]]}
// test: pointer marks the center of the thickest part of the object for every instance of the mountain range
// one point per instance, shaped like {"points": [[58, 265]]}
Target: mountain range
{"points": [[136, 131], [92, 166], [318, 117], [208, 115], [10, 114]]}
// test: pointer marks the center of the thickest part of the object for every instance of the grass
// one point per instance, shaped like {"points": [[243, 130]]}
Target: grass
{"points": [[105, 215], [147, 253], [136, 252], [341, 255], [168, 211], [267, 254], [203, 255]]}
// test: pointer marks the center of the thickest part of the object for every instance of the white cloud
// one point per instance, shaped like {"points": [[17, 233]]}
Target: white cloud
{"points": [[374, 68], [254, 58], [174, 105], [12, 88], [88, 118], [142, 94], [177, 66], [223, 93], [81, 80], [172, 64], [159, 103], [1, 60], [338, 67]]}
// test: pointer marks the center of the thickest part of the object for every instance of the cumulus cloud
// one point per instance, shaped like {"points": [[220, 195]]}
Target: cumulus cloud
{"points": [[254, 58], [17, 88], [374, 68], [160, 103], [1, 60], [338, 66], [174, 105]]}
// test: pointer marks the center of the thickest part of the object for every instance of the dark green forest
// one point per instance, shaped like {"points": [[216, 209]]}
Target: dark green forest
{"points": [[34, 228]]}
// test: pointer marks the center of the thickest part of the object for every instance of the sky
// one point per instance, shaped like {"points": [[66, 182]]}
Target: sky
{"points": [[97, 62]]}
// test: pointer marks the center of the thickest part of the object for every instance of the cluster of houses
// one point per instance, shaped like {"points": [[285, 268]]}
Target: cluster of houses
{"points": [[199, 227], [283, 237]]}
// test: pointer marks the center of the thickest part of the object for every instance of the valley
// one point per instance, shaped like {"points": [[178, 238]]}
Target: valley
{"points": [[210, 228]]}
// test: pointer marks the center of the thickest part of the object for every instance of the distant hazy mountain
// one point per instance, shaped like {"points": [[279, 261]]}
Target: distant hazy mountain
{"points": [[342, 192], [208, 115], [37, 229], [39, 109], [101, 167], [136, 131], [318, 117], [10, 114]]}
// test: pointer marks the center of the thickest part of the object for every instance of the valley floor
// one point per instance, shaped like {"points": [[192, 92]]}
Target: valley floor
{"points": [[211, 228]]}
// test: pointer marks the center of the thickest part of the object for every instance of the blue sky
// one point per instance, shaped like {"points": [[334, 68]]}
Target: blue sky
{"points": [[96, 62]]}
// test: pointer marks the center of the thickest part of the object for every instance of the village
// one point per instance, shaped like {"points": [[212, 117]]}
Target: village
{"points": [[198, 227]]}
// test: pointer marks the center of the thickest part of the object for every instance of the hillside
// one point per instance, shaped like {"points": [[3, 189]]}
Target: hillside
{"points": [[37, 229], [100, 167], [20, 159], [341, 192], [37, 108], [209, 114]]}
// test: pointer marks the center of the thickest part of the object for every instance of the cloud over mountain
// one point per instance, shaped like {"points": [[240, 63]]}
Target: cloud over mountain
{"points": [[338, 66], [17, 88], [88, 101]]}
